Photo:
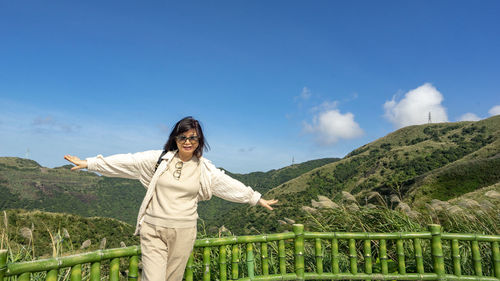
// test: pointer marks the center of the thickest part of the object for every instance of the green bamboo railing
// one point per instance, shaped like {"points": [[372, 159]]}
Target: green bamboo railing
{"points": [[431, 255]]}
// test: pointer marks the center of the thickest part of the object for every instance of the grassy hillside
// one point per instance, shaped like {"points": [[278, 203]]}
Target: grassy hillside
{"points": [[410, 169], [214, 210], [415, 165], [24, 232], [264, 181], [455, 180], [25, 184], [401, 157]]}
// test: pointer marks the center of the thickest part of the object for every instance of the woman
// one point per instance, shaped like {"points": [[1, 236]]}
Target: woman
{"points": [[176, 179]]}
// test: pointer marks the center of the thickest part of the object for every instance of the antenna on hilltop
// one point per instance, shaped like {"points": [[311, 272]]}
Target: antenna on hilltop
{"points": [[27, 153], [430, 120], [293, 160]]}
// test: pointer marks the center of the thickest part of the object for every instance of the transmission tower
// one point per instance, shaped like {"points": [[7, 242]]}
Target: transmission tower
{"points": [[430, 120]]}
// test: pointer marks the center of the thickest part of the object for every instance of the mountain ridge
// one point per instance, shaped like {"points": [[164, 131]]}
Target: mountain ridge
{"points": [[26, 184], [413, 165], [392, 168]]}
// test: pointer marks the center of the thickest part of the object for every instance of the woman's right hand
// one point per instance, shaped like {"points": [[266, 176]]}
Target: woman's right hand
{"points": [[79, 164]]}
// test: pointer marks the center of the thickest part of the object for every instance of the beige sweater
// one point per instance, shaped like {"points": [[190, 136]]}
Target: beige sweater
{"points": [[174, 203], [141, 166]]}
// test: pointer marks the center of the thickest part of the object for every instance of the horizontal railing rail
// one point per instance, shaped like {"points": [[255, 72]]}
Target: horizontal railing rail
{"points": [[22, 271], [297, 255]]}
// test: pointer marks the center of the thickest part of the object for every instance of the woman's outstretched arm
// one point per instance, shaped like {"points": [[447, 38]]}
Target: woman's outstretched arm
{"points": [[233, 190], [138, 165]]}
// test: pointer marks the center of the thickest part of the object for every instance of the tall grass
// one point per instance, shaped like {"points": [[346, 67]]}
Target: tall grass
{"points": [[61, 244], [377, 220], [388, 221], [374, 220], [60, 238]]}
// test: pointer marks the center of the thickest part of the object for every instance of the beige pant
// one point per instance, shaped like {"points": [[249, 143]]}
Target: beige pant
{"points": [[165, 252]]}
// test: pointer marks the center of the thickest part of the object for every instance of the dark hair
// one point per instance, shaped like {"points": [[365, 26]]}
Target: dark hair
{"points": [[184, 125]]}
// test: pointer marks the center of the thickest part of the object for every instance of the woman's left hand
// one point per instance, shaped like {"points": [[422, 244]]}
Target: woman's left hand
{"points": [[267, 203]]}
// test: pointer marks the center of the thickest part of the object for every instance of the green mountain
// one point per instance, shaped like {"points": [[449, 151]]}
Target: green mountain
{"points": [[25, 184], [215, 209], [445, 166], [264, 181], [416, 165]]}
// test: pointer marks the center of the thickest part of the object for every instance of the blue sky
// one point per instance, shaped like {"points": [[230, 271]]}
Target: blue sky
{"points": [[271, 81]]}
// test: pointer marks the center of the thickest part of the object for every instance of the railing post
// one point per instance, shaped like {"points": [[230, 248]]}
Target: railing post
{"points": [[455, 253], [95, 272], [368, 257], [419, 258], [335, 255], [76, 273], [383, 257], [3, 263], [114, 269], [133, 268], [298, 229], [250, 261], [401, 256], [437, 250], [188, 274], [222, 263], [318, 252], [206, 264], [353, 256], [24, 276], [282, 256], [265, 258], [495, 251], [476, 258], [235, 260], [52, 275]]}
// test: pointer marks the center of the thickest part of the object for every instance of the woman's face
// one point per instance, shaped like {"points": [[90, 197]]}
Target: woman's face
{"points": [[187, 142]]}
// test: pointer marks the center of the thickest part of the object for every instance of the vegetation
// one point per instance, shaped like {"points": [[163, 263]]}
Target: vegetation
{"points": [[212, 212], [264, 181], [456, 180], [414, 166], [365, 220], [30, 234], [435, 173], [380, 219], [25, 184]]}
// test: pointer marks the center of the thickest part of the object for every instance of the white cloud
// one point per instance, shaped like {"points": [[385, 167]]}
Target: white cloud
{"points": [[414, 108], [303, 96], [306, 93], [326, 105], [330, 126], [494, 110], [469, 117], [49, 124]]}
